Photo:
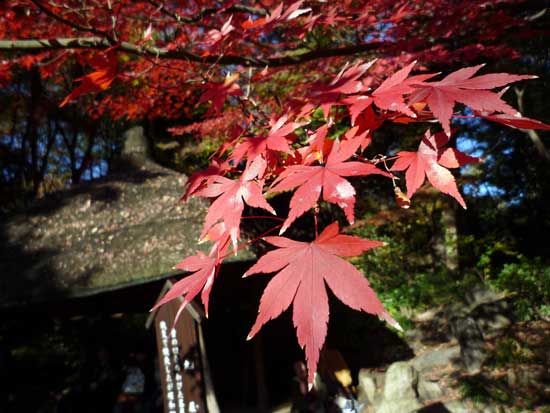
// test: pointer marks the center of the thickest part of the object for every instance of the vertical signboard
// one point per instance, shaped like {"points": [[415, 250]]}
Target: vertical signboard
{"points": [[182, 359]]}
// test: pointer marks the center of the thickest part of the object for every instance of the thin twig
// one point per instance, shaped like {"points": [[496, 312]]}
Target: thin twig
{"points": [[533, 135], [72, 24], [161, 7], [246, 244]]}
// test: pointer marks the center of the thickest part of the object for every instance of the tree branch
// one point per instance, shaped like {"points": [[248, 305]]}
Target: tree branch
{"points": [[184, 19], [533, 135], [69, 23], [99, 43]]}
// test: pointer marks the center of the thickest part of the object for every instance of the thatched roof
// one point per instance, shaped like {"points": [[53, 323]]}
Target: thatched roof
{"points": [[126, 229]]}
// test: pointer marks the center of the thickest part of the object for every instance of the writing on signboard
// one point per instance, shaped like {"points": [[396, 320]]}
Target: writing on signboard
{"points": [[173, 371]]}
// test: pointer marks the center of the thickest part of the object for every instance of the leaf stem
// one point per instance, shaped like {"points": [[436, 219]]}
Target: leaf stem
{"points": [[264, 217], [315, 213], [246, 244], [377, 159]]}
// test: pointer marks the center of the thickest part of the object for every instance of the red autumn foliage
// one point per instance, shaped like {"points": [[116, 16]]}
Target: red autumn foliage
{"points": [[105, 66], [304, 268], [326, 179], [431, 161], [461, 87]]}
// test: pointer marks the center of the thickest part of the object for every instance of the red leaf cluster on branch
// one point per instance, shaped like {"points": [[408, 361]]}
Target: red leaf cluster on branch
{"points": [[281, 157]]}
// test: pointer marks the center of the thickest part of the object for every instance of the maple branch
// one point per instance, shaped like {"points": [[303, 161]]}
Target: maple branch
{"points": [[533, 135], [242, 8], [70, 23], [38, 45], [315, 215], [376, 160], [205, 12], [248, 243], [263, 217]]}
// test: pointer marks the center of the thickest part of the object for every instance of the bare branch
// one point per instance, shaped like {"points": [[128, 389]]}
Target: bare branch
{"points": [[184, 19], [39, 45], [533, 135], [70, 23]]}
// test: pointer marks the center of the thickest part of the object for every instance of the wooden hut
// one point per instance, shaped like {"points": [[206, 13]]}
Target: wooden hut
{"points": [[125, 230]]}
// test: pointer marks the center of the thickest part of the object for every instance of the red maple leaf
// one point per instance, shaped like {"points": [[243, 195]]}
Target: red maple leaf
{"points": [[291, 13], [327, 178], [276, 140], [215, 36], [461, 87], [273, 16], [389, 95], [431, 161], [367, 122], [204, 268], [106, 71], [201, 178], [347, 82], [217, 92], [317, 146], [231, 195], [304, 268], [204, 271], [518, 122]]}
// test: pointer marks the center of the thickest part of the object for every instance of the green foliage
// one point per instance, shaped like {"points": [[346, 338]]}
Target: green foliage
{"points": [[479, 389], [486, 255], [408, 276], [473, 391], [188, 155], [514, 372], [405, 273], [529, 280], [510, 350]]}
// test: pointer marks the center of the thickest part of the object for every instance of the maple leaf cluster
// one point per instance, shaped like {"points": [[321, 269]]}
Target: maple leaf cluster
{"points": [[289, 153], [160, 59]]}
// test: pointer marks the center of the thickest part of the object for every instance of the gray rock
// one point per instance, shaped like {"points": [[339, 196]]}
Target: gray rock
{"points": [[400, 389], [366, 387], [492, 316], [459, 406], [473, 357], [473, 351], [436, 358], [456, 308], [498, 322], [491, 409], [479, 295], [399, 406], [429, 390], [401, 381]]}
